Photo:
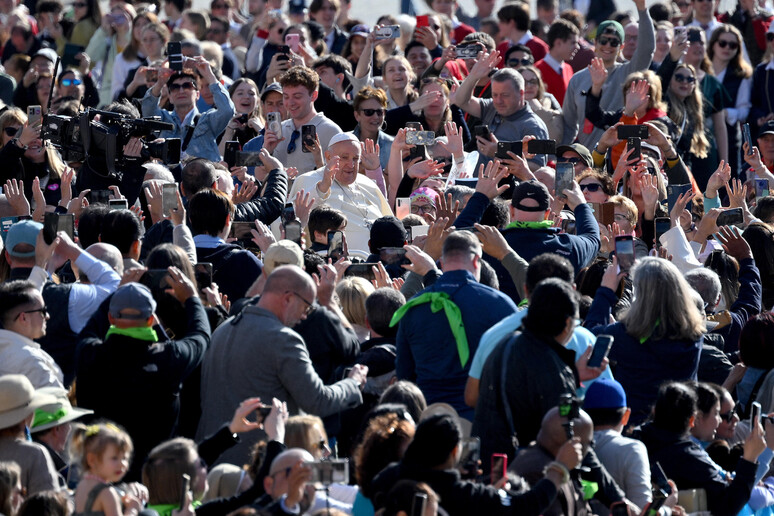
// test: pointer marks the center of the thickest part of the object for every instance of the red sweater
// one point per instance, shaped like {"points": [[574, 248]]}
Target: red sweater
{"points": [[537, 46], [556, 84]]}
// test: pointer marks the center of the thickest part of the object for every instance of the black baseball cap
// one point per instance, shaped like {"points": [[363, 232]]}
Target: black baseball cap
{"points": [[531, 190]]}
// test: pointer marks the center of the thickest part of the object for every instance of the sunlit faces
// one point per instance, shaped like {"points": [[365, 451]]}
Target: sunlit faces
{"points": [[766, 147], [728, 417], [726, 47], [326, 16], [111, 465], [683, 82], [183, 92], [272, 102], [276, 32], [370, 115], [298, 101], [439, 105], [663, 41], [349, 160], [9, 132], [396, 74], [245, 98], [567, 48], [444, 7], [420, 59], [152, 44], [71, 85], [622, 217], [328, 76], [706, 424], [592, 190], [607, 47], [531, 84], [506, 98], [356, 45], [703, 8]]}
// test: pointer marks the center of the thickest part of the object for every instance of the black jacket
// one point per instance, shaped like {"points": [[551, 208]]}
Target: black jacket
{"points": [[234, 269], [268, 207]]}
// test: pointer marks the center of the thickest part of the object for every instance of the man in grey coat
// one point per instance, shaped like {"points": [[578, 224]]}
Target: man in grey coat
{"points": [[610, 37], [256, 353]]}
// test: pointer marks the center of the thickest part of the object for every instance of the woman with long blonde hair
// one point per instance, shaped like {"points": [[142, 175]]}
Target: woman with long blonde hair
{"points": [[687, 111]]}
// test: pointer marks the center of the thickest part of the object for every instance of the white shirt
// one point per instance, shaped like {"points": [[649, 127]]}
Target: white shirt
{"points": [[553, 63], [20, 355]]}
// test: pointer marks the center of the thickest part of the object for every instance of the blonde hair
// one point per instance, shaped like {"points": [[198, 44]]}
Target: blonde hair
{"points": [[691, 108], [662, 306], [95, 439], [299, 433], [352, 292], [627, 204], [655, 89]]}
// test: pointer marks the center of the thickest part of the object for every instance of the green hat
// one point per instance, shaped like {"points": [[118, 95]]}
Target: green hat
{"points": [[611, 27]]}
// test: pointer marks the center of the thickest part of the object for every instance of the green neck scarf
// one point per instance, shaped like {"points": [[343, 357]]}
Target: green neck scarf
{"points": [[165, 509], [139, 333], [43, 417], [438, 301], [538, 224]]}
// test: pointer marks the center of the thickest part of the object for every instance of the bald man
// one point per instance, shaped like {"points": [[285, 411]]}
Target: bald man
{"points": [[338, 185], [258, 354]]}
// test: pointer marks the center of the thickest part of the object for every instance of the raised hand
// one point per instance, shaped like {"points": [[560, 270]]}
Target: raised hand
{"points": [[424, 169], [302, 205], [370, 155], [598, 74], [330, 171], [446, 208], [718, 179], [14, 193], [636, 97], [490, 177]]}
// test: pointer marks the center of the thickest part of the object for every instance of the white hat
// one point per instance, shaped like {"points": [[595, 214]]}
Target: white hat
{"points": [[18, 399], [343, 137], [57, 413]]}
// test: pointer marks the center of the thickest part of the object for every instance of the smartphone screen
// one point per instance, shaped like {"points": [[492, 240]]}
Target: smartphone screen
{"points": [[335, 245], [292, 41], [288, 213], [600, 351], [663, 224], [419, 504], [755, 414], [99, 196], [388, 255], [168, 198], [402, 207], [293, 231], [748, 138], [230, 154], [308, 137], [541, 146], [565, 174], [499, 467], [730, 217], [624, 250], [636, 144], [363, 270], [674, 192], [761, 188], [203, 274], [118, 204], [660, 479]]}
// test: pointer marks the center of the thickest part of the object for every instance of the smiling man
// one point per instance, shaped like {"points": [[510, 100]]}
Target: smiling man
{"points": [[299, 91]]}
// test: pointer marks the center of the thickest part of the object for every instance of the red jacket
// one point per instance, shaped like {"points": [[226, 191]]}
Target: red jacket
{"points": [[556, 84]]}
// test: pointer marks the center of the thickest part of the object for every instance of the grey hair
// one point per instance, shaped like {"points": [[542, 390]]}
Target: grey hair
{"points": [[662, 306], [158, 171], [706, 282], [509, 74], [192, 43], [458, 192]]}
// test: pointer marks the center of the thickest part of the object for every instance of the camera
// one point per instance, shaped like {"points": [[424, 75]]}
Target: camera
{"points": [[333, 471]]}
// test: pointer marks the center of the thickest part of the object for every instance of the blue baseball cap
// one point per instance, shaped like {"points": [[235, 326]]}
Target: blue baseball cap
{"points": [[23, 232], [132, 301], [605, 393]]}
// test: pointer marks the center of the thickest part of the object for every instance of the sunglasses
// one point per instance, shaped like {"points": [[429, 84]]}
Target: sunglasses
{"points": [[733, 45], [685, 78], [186, 86], [292, 142], [524, 61], [372, 112], [43, 311], [613, 42], [729, 416], [574, 161], [71, 82], [10, 131], [591, 187]]}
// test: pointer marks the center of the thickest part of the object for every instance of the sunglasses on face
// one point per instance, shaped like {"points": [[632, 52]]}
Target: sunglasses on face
{"points": [[372, 112], [591, 187], [10, 131], [524, 61], [733, 45], [613, 42], [690, 79], [186, 86], [574, 161], [71, 82], [729, 416]]}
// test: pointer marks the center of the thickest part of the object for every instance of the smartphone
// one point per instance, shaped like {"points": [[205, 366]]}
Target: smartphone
{"points": [[504, 147], [151, 75], [414, 125], [469, 457], [694, 36], [242, 230], [423, 21], [730, 217], [419, 504], [118, 204], [636, 144], [388, 32], [482, 131], [632, 131], [619, 509], [274, 123], [248, 159], [243, 118], [674, 192], [330, 471], [747, 138], [418, 231], [155, 279], [600, 351], [755, 414], [541, 146], [203, 274], [654, 507], [175, 56], [293, 231], [663, 224], [98, 196], [292, 41], [389, 255], [607, 213], [184, 489], [402, 207], [761, 188], [168, 198], [288, 213], [565, 175], [472, 229], [6, 223], [33, 115], [499, 465], [362, 270], [262, 412], [420, 137], [335, 245], [624, 251], [54, 223], [660, 479], [467, 52], [308, 138], [230, 154]]}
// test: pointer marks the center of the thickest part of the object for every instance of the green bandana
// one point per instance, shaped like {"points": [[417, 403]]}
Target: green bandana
{"points": [[644, 339], [589, 489], [538, 224], [139, 333], [43, 417], [165, 509], [438, 301]]}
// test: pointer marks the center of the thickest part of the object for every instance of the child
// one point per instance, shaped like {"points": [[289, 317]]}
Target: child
{"points": [[105, 451]]}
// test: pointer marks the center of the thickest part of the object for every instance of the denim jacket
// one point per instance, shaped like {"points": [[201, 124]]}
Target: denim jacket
{"points": [[210, 125]]}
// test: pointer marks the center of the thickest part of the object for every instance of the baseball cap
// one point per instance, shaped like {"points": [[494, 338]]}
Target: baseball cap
{"points": [[359, 30], [611, 27], [768, 127], [275, 86], [48, 53], [284, 252], [23, 232], [132, 301], [297, 7], [578, 148], [531, 190], [343, 137], [605, 393]]}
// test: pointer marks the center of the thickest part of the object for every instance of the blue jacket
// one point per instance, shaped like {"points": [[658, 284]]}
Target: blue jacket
{"points": [[209, 126], [426, 349], [641, 367], [747, 304], [580, 248]]}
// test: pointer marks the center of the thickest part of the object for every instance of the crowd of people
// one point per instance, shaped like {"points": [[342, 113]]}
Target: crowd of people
{"points": [[265, 258]]}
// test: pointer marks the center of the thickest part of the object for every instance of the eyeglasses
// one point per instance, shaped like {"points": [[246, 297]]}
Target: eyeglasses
{"points": [[574, 161], [309, 306], [292, 142], [219, 6], [71, 82], [591, 187], [685, 78], [733, 45], [620, 217], [531, 82], [416, 209], [188, 85], [613, 42], [10, 131], [43, 311], [729, 416], [524, 61], [79, 5], [372, 112]]}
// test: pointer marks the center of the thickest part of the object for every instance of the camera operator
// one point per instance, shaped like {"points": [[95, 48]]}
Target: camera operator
{"points": [[196, 131]]}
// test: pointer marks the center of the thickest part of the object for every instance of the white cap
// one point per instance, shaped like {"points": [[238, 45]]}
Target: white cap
{"points": [[344, 137]]}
